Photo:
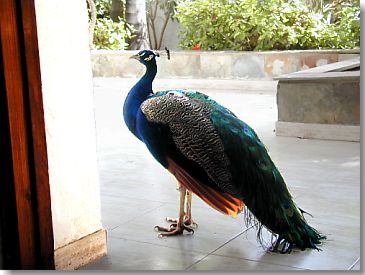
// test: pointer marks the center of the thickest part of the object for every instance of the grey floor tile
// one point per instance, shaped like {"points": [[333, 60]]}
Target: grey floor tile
{"points": [[221, 263], [105, 263], [124, 255], [118, 210], [338, 253], [214, 229]]}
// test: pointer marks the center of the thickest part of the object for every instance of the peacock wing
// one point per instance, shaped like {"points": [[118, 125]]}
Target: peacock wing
{"points": [[188, 116]]}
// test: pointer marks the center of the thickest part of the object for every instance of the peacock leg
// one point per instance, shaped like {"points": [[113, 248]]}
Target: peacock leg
{"points": [[180, 227], [174, 220], [188, 221]]}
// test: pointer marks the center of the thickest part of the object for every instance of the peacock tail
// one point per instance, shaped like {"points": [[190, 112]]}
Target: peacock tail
{"points": [[261, 186], [219, 158]]}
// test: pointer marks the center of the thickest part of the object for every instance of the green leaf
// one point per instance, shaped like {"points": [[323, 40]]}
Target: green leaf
{"points": [[275, 24]]}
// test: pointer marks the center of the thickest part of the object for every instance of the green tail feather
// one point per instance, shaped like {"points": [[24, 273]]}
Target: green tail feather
{"points": [[262, 187], [288, 233], [299, 233]]}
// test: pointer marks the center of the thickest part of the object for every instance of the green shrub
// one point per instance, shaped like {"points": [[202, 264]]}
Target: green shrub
{"points": [[348, 27], [263, 25], [103, 8], [111, 35]]}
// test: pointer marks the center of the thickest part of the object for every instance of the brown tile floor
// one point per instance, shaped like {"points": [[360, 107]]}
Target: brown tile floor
{"points": [[137, 193]]}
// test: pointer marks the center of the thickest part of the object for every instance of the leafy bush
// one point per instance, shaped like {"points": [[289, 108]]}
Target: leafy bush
{"points": [[263, 25], [348, 27], [111, 35], [102, 8]]}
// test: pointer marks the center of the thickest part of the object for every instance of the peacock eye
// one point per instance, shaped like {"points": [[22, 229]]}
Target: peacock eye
{"points": [[149, 57], [142, 54]]}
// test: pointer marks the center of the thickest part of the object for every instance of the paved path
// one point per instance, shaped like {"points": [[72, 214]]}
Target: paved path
{"points": [[137, 193]]}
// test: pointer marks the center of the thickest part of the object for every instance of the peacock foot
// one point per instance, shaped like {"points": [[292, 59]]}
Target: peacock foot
{"points": [[281, 246], [188, 221], [175, 229]]}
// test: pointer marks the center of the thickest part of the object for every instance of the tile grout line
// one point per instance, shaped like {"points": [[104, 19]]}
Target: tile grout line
{"points": [[164, 246], [226, 242], [163, 202], [352, 266], [147, 211], [157, 244], [264, 262], [238, 234], [131, 219]]}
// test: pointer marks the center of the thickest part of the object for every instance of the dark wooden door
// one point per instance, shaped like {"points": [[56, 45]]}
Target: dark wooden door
{"points": [[25, 205]]}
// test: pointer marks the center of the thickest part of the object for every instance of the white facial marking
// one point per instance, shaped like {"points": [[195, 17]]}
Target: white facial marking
{"points": [[149, 57]]}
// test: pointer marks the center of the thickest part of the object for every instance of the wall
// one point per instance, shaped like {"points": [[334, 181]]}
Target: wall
{"points": [[325, 101], [217, 64], [69, 116]]}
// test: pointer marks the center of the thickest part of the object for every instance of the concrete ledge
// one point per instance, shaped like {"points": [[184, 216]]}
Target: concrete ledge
{"points": [[341, 66], [318, 131], [82, 251], [321, 103], [339, 71], [319, 77], [218, 64]]}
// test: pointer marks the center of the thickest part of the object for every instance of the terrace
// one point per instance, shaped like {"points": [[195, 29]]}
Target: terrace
{"points": [[137, 193]]}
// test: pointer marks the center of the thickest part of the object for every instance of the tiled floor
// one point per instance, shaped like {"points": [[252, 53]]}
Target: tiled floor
{"points": [[137, 193]]}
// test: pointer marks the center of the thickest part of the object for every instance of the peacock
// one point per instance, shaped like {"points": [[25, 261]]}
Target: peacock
{"points": [[215, 156]]}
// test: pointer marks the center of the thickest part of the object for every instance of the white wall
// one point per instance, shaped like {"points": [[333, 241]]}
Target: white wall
{"points": [[69, 116]]}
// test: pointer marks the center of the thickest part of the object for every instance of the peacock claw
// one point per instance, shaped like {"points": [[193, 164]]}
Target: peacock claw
{"points": [[187, 222], [162, 229], [174, 230], [281, 246], [173, 220], [190, 223]]}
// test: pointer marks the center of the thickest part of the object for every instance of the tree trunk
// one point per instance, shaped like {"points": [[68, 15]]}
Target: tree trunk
{"points": [[136, 16], [117, 10], [151, 17], [92, 22]]}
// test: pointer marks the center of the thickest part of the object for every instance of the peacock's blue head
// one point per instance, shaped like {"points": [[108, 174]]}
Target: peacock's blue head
{"points": [[146, 57]]}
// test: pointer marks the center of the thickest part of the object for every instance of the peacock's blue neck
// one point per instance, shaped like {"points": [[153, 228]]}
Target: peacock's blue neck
{"points": [[139, 93]]}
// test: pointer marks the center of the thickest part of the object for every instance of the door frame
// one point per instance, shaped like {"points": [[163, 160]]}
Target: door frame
{"points": [[25, 211]]}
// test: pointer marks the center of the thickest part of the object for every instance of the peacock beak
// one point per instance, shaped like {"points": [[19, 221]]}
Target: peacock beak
{"points": [[136, 56]]}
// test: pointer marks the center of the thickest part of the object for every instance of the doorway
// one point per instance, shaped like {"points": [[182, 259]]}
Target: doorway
{"points": [[25, 210]]}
